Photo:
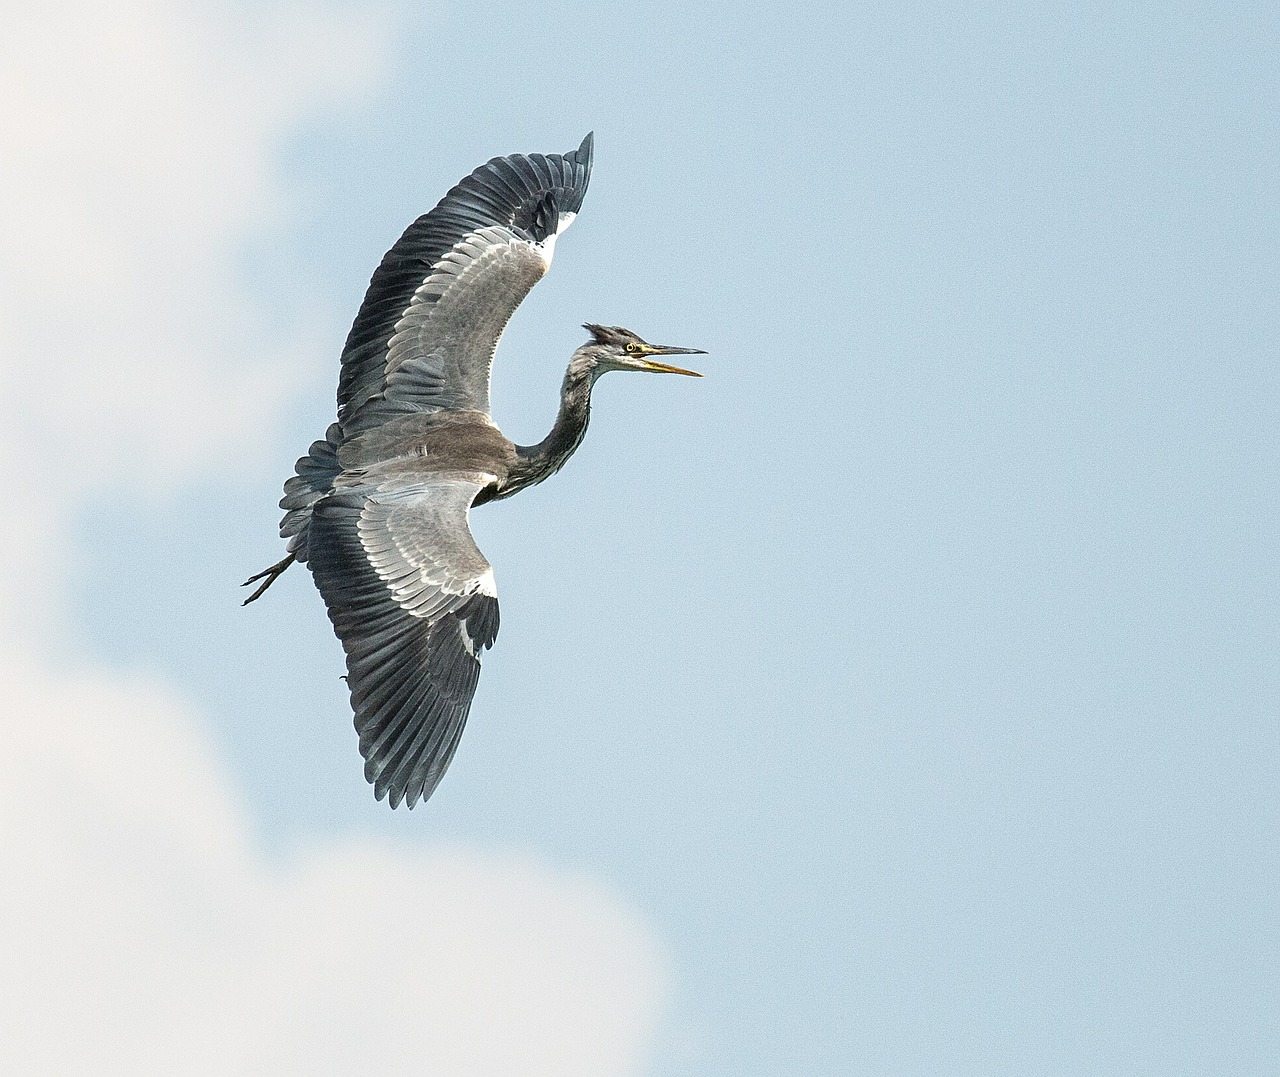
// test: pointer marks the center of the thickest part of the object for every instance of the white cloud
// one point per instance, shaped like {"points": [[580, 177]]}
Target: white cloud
{"points": [[143, 935], [138, 138], [142, 931]]}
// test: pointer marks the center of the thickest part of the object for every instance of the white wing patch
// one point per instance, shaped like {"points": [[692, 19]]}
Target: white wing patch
{"points": [[467, 641], [547, 247], [486, 584]]}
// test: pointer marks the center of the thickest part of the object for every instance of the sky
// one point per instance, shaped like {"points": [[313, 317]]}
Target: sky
{"points": [[899, 699]]}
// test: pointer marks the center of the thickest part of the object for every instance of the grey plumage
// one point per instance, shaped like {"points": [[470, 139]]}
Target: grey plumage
{"points": [[378, 509]]}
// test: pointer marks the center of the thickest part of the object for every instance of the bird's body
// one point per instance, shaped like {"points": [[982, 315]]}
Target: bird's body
{"points": [[378, 509]]}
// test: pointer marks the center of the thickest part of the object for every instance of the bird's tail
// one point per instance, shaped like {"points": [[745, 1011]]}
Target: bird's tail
{"points": [[314, 479], [315, 474]]}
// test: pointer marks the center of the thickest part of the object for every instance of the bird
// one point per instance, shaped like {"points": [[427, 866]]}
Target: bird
{"points": [[379, 507]]}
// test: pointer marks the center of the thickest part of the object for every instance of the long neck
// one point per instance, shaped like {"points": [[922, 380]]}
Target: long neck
{"points": [[537, 462]]}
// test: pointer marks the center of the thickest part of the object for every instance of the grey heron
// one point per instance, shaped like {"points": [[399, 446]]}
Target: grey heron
{"points": [[378, 509]]}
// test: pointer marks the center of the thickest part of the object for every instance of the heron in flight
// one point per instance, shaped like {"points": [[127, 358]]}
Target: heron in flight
{"points": [[379, 508]]}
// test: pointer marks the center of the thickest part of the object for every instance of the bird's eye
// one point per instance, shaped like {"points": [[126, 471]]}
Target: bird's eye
{"points": [[633, 347]]}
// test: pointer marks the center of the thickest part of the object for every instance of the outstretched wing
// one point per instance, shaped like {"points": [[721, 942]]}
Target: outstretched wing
{"points": [[437, 305], [413, 601]]}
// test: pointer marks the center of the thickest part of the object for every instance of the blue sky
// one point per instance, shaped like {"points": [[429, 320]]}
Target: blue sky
{"points": [[902, 695]]}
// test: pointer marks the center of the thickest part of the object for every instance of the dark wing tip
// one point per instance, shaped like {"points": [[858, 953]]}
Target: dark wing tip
{"points": [[583, 153], [408, 736]]}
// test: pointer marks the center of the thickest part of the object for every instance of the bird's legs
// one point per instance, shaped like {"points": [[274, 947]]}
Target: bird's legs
{"points": [[270, 575]]}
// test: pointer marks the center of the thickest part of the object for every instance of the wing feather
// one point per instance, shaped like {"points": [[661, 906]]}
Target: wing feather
{"points": [[528, 197], [412, 600]]}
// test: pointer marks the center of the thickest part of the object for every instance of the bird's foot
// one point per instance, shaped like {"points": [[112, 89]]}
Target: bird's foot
{"points": [[268, 577]]}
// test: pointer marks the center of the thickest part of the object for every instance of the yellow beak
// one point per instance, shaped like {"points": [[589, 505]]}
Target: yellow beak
{"points": [[663, 368]]}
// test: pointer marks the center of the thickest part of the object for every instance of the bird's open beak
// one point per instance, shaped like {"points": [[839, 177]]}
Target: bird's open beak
{"points": [[663, 368]]}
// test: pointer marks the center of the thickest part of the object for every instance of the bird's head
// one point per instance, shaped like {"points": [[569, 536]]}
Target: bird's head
{"points": [[613, 348]]}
